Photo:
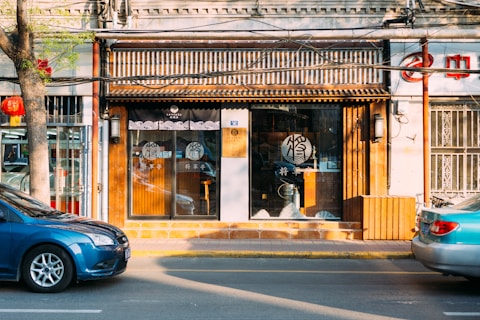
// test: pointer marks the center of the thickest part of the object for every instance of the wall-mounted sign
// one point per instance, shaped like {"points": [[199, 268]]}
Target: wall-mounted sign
{"points": [[234, 142], [458, 57]]}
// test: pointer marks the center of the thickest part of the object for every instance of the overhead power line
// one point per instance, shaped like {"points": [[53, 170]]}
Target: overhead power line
{"points": [[66, 81]]}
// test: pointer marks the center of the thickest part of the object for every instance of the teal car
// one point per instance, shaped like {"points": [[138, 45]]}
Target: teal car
{"points": [[448, 239]]}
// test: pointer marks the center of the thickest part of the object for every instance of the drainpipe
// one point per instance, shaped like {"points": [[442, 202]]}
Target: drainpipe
{"points": [[105, 170], [95, 108], [387, 56], [128, 13], [115, 14], [104, 54]]}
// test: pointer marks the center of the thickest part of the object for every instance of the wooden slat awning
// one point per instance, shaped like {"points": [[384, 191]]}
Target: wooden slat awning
{"points": [[245, 95]]}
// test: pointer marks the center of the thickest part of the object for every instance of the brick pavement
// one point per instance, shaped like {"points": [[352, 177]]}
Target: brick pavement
{"points": [[353, 249]]}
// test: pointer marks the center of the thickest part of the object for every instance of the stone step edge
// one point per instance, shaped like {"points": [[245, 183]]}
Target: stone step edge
{"points": [[151, 224], [221, 233]]}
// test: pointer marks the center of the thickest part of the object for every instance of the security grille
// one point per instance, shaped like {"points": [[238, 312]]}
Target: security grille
{"points": [[61, 111], [455, 150]]}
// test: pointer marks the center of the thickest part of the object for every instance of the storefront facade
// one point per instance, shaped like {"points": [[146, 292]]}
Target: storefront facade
{"points": [[269, 137], [69, 125], [454, 115]]}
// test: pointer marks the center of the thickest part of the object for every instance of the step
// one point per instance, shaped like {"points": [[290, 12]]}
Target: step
{"points": [[201, 229]]}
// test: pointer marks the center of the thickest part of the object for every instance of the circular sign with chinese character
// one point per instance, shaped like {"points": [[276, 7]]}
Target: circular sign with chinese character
{"points": [[296, 149], [151, 150], [194, 151]]}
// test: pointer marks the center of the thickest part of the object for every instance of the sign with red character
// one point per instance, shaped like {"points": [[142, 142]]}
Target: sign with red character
{"points": [[451, 64], [457, 62]]}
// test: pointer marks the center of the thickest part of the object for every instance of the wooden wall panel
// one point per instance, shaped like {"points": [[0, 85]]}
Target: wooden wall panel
{"points": [[365, 169], [117, 178], [355, 150]]}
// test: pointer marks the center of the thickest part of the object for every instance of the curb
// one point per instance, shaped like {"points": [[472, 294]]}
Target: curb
{"points": [[272, 254]]}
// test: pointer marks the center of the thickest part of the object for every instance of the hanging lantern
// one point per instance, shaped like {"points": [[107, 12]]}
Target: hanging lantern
{"points": [[13, 107]]}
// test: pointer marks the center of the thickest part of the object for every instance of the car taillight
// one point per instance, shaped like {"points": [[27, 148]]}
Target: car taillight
{"points": [[441, 228]]}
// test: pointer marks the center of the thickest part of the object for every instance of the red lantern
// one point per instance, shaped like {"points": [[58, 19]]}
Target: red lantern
{"points": [[13, 107]]}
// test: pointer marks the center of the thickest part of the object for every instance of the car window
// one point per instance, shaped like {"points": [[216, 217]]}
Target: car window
{"points": [[27, 204], [8, 214], [471, 204]]}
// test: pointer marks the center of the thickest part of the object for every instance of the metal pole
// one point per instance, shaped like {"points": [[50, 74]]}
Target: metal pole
{"points": [[95, 108], [426, 125]]}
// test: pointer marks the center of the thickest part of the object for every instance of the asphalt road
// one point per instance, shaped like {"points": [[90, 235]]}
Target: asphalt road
{"points": [[209, 288]]}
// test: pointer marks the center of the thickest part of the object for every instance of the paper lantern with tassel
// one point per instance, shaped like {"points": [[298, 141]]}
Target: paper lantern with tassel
{"points": [[13, 107]]}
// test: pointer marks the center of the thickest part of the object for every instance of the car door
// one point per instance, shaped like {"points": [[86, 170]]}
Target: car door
{"points": [[5, 241]]}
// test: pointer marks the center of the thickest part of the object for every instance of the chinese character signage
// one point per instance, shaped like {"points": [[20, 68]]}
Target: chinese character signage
{"points": [[454, 56]]}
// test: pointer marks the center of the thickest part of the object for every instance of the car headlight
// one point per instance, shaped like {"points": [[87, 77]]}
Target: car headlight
{"points": [[100, 239]]}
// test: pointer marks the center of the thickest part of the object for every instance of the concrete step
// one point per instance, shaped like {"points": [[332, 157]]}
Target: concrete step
{"points": [[202, 229]]}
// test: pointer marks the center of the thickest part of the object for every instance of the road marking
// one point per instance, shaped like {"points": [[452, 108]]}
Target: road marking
{"points": [[50, 311], [303, 271], [462, 314]]}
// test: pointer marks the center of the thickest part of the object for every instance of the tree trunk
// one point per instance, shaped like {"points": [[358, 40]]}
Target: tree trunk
{"points": [[33, 92]]}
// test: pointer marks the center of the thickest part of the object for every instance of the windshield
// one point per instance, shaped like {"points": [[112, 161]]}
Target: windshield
{"points": [[471, 204], [27, 204]]}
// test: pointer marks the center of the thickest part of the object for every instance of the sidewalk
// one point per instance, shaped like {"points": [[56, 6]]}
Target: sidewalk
{"points": [[253, 248]]}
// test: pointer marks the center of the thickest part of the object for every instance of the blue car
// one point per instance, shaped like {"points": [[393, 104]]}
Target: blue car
{"points": [[49, 249], [448, 240]]}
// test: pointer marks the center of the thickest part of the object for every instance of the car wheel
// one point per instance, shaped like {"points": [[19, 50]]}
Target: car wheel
{"points": [[47, 269]]}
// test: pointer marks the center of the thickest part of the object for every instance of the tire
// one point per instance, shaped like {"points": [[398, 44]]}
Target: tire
{"points": [[47, 269]]}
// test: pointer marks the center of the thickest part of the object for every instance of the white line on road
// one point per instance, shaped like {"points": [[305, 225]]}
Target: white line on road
{"points": [[462, 314], [49, 311]]}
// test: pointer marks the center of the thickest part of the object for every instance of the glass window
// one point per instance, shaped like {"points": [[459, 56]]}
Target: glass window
{"points": [[67, 164], [173, 173], [296, 161]]}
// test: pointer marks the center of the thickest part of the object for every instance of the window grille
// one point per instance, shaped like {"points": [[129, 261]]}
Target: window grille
{"points": [[61, 111], [455, 150]]}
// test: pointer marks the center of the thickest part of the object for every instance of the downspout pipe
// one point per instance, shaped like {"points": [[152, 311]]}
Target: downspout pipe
{"points": [[105, 132], [95, 108], [128, 13], [388, 83]]}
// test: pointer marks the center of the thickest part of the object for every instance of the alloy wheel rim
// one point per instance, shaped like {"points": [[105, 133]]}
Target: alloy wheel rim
{"points": [[47, 270]]}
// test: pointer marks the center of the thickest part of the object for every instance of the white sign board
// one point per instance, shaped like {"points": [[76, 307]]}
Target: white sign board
{"points": [[450, 55]]}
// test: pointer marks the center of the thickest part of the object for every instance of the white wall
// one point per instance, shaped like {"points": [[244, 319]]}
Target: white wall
{"points": [[406, 134], [406, 118], [83, 68], [234, 194]]}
